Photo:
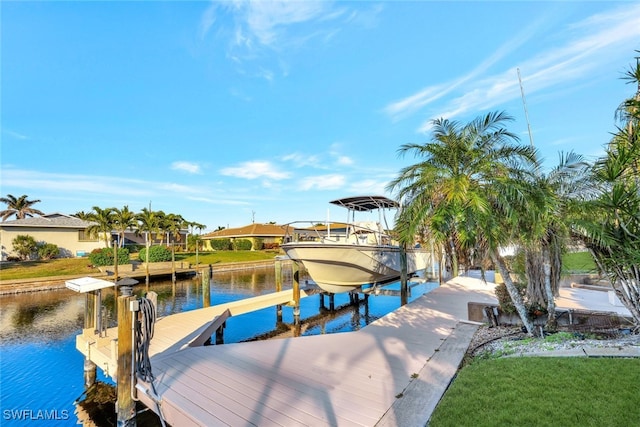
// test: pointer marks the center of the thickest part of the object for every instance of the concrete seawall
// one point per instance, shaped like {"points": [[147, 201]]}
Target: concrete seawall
{"points": [[15, 286]]}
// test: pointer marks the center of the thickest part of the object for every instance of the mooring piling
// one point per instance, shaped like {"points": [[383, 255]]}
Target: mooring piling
{"points": [[125, 405]]}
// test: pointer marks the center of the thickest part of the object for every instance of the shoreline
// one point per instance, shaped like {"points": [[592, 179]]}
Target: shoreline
{"points": [[41, 284]]}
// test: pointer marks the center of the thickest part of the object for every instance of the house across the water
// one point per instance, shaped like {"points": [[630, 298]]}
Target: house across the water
{"points": [[65, 231], [261, 236]]}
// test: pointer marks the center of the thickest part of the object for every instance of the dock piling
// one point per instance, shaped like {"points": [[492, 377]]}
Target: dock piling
{"points": [[278, 267], [125, 405], [90, 314], [206, 288], [296, 293]]}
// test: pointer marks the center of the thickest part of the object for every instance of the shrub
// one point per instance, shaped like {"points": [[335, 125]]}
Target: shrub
{"points": [[271, 246], [104, 256], [220, 244], [258, 244], [25, 246], [242, 245], [156, 254], [48, 250]]}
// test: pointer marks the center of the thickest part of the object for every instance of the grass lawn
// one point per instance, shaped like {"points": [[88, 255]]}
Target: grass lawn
{"points": [[80, 266], [528, 391], [578, 262]]}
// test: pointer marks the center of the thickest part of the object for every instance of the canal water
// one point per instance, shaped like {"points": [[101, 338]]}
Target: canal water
{"points": [[41, 372]]}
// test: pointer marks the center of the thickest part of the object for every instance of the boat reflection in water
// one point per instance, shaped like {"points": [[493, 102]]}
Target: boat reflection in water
{"points": [[42, 370]]}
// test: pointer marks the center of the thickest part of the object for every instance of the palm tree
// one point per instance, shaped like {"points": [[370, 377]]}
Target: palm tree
{"points": [[81, 215], [543, 221], [173, 224], [612, 229], [103, 223], [460, 189], [148, 224], [19, 206], [123, 219]]}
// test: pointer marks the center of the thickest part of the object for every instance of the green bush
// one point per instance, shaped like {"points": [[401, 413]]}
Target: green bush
{"points": [[156, 254], [25, 246], [220, 244], [242, 245], [104, 256], [48, 250], [258, 244]]}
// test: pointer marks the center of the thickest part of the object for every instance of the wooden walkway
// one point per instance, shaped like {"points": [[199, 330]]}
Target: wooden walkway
{"points": [[175, 332], [364, 378]]}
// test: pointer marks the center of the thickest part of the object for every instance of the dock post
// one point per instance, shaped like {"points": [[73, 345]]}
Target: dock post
{"points": [[322, 307], [125, 405], [90, 313], [206, 289], [332, 302], [296, 293], [173, 263], [404, 299], [278, 266]]}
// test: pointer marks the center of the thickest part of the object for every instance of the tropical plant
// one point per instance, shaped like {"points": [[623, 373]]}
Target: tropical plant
{"points": [[157, 253], [18, 206], [48, 250], [611, 231], [102, 224], [123, 220], [173, 224], [544, 227], [103, 257], [148, 223], [466, 189], [25, 246]]}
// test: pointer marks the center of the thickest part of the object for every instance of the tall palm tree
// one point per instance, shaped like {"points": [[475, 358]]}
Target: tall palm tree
{"points": [[458, 189], [103, 222], [18, 206], [173, 224], [148, 223], [123, 220]]}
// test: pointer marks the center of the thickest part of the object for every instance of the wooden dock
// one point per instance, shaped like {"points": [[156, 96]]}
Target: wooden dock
{"points": [[360, 378]]}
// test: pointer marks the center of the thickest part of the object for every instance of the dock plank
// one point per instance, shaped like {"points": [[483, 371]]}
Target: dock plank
{"points": [[345, 379]]}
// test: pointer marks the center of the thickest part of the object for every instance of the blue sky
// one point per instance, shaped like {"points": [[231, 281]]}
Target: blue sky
{"points": [[232, 112]]}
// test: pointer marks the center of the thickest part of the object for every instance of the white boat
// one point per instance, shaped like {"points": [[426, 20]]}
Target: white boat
{"points": [[341, 257]]}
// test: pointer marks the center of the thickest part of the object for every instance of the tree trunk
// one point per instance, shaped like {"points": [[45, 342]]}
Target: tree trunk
{"points": [[513, 292], [552, 323]]}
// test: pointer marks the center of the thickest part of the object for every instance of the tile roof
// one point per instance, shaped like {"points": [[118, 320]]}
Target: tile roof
{"points": [[54, 220], [251, 230]]}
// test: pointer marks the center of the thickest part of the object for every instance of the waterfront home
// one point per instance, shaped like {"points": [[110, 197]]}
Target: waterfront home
{"points": [[266, 236], [65, 231]]}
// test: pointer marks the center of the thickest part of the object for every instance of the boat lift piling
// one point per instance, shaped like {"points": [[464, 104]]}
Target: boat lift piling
{"points": [[296, 293], [278, 267]]}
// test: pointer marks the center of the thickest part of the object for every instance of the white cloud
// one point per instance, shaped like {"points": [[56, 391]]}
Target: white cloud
{"points": [[207, 20], [323, 182], [593, 42], [300, 160], [255, 169], [189, 167], [15, 135]]}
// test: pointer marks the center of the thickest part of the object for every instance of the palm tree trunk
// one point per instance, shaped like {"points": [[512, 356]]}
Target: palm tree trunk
{"points": [[552, 323], [513, 292]]}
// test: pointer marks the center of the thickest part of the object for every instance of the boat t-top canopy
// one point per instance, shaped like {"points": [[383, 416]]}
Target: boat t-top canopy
{"points": [[366, 203]]}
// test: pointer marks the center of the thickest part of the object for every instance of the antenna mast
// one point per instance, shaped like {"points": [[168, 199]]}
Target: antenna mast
{"points": [[526, 113]]}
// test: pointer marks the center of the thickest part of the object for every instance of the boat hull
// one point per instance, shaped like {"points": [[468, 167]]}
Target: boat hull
{"points": [[341, 268]]}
